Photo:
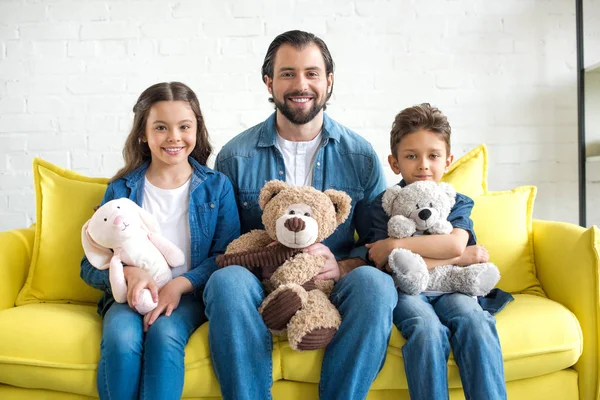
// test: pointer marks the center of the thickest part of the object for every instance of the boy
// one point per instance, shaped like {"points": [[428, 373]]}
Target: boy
{"points": [[420, 145]]}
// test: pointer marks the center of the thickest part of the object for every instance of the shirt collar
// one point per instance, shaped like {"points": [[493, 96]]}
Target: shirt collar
{"points": [[268, 132]]}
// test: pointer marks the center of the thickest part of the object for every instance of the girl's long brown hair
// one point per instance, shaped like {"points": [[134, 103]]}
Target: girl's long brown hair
{"points": [[136, 151]]}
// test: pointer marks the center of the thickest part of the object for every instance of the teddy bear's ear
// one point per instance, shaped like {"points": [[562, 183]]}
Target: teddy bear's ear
{"points": [[450, 192], [270, 190], [97, 255], [387, 202], [342, 204]]}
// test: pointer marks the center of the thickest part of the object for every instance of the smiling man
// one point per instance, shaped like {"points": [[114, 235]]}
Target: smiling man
{"points": [[301, 145]]}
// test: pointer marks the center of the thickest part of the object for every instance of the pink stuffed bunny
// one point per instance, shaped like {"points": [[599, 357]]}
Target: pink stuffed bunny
{"points": [[134, 236]]}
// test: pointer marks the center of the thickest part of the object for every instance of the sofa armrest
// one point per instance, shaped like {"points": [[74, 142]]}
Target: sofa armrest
{"points": [[567, 264], [15, 257]]}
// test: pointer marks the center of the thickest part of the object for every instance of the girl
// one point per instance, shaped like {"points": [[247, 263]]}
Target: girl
{"points": [[165, 172]]}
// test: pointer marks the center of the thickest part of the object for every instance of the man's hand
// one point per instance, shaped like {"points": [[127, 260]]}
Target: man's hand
{"points": [[169, 298], [380, 251], [331, 269], [137, 280], [473, 255]]}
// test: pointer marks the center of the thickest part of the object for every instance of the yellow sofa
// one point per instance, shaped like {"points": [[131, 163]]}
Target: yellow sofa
{"points": [[50, 340]]}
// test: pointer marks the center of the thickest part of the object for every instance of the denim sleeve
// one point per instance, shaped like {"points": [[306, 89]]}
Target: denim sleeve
{"points": [[363, 214], [91, 275], [227, 229], [378, 231], [460, 216]]}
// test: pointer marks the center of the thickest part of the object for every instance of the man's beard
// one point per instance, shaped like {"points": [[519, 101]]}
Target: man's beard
{"points": [[298, 116]]}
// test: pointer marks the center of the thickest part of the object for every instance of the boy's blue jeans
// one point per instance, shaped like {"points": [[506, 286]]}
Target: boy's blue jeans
{"points": [[147, 366], [241, 344], [431, 325]]}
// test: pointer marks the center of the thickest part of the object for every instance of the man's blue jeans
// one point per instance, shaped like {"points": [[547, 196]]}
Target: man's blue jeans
{"points": [[431, 325], [147, 366], [241, 344]]}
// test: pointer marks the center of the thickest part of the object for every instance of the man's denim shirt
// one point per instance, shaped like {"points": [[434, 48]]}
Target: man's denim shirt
{"points": [[344, 161], [460, 217], [213, 219]]}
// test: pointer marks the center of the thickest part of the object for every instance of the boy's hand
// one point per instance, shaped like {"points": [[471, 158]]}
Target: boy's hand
{"points": [[380, 251], [137, 280], [473, 255]]}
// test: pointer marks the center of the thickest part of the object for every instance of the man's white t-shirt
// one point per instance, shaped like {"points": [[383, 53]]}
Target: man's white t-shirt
{"points": [[170, 207], [299, 159]]}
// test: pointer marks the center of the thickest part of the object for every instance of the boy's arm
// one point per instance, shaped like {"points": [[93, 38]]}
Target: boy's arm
{"points": [[439, 247]]}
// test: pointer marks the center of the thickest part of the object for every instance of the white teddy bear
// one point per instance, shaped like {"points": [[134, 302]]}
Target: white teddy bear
{"points": [[134, 236], [423, 208]]}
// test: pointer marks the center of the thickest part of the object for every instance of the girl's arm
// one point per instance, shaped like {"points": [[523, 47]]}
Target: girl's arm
{"points": [[227, 229], [91, 275], [472, 255]]}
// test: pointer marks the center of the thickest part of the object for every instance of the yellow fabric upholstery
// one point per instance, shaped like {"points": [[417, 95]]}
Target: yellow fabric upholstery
{"points": [[468, 174], [50, 350], [538, 336], [64, 201], [503, 224]]}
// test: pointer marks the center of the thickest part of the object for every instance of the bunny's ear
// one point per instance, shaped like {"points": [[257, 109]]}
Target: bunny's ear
{"points": [[97, 255], [387, 202], [149, 223], [450, 192], [270, 190]]}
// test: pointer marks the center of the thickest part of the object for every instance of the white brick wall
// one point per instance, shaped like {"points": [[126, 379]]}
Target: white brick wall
{"points": [[502, 70]]}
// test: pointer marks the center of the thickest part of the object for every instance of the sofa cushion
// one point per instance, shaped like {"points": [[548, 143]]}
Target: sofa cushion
{"points": [[65, 200], [538, 337], [503, 224], [56, 347], [468, 174]]}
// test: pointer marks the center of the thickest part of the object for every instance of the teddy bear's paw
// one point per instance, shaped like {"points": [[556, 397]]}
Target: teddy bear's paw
{"points": [[315, 324], [400, 227], [409, 271], [281, 305], [473, 280]]}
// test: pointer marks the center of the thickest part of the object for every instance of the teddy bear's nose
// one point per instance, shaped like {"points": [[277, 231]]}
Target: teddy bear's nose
{"points": [[424, 214], [118, 220], [295, 224]]}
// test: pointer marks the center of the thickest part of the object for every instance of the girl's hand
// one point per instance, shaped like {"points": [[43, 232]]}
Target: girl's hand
{"points": [[380, 251], [473, 255], [170, 296], [138, 280]]}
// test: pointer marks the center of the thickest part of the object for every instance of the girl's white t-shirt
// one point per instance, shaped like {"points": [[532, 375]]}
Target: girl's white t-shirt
{"points": [[299, 159], [170, 207]]}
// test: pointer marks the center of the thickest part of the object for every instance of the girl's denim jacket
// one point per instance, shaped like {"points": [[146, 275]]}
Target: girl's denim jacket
{"points": [[213, 218]]}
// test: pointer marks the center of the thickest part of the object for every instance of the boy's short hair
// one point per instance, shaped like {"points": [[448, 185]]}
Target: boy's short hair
{"points": [[415, 118]]}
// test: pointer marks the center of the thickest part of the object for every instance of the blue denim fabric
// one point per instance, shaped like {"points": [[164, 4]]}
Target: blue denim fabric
{"points": [[213, 219], [146, 366], [345, 161], [241, 344], [433, 325]]}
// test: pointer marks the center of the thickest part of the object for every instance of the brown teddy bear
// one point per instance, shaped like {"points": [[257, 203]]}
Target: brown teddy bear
{"points": [[297, 304]]}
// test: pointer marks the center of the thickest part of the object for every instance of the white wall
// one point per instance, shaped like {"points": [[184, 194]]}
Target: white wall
{"points": [[502, 70]]}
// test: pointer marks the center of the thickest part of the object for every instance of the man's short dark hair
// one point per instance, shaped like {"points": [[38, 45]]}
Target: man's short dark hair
{"points": [[299, 40]]}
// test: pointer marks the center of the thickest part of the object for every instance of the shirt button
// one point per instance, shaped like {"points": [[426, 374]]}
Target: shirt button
{"points": [[212, 205], [318, 164], [280, 172], [245, 204]]}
